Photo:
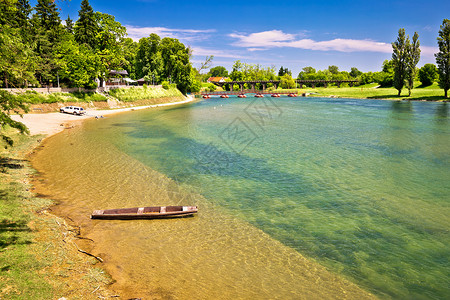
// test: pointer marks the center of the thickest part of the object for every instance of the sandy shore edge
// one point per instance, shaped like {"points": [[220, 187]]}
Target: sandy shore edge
{"points": [[52, 123]]}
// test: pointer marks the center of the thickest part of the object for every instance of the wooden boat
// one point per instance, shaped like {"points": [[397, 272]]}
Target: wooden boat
{"points": [[153, 212]]}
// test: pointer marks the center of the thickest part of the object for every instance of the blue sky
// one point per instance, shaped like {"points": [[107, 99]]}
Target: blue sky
{"points": [[293, 34]]}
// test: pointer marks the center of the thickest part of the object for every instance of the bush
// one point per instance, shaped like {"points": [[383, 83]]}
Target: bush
{"points": [[165, 85], [428, 74]]}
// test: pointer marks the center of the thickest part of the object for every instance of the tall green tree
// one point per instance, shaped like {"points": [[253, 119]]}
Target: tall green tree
{"points": [[15, 65], [148, 61], [69, 25], [399, 58], [86, 27], [412, 59], [443, 56], [48, 33], [176, 64], [107, 44]]}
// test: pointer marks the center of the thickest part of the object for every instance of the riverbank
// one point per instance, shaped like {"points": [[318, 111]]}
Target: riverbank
{"points": [[41, 254], [52, 123], [372, 91]]}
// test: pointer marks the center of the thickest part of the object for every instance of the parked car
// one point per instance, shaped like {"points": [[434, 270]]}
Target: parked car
{"points": [[75, 110]]}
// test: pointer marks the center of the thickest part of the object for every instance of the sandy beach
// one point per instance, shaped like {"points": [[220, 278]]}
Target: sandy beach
{"points": [[53, 123]]}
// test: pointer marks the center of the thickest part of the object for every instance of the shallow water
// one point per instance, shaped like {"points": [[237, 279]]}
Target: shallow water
{"points": [[361, 186]]}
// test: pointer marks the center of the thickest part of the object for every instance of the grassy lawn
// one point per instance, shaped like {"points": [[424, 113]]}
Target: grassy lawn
{"points": [[431, 93], [38, 256], [33, 97], [146, 93]]}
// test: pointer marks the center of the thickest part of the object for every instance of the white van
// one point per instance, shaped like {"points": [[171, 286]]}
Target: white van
{"points": [[75, 110]]}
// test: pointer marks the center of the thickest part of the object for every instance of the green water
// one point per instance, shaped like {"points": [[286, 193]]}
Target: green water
{"points": [[361, 186]]}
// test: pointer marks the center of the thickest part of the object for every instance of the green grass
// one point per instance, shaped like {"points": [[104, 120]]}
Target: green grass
{"points": [[33, 97], [431, 93], [145, 93], [38, 259], [19, 268]]}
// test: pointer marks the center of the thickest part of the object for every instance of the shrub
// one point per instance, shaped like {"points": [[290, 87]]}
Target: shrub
{"points": [[428, 74], [165, 85]]}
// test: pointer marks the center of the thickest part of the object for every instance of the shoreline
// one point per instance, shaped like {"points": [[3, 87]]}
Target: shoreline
{"points": [[50, 124]]}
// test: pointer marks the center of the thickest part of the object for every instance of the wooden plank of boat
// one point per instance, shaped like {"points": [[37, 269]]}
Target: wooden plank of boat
{"points": [[152, 212]]}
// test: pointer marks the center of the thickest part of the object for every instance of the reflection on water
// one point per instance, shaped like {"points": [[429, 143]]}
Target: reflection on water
{"points": [[360, 186]]}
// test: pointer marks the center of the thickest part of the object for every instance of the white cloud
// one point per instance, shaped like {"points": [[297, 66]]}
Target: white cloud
{"points": [[278, 39], [136, 33], [199, 51]]}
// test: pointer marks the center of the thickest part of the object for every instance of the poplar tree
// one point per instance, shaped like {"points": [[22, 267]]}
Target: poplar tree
{"points": [[443, 56], [399, 58], [412, 60]]}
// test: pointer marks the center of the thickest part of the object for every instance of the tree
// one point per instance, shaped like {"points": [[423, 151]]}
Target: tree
{"points": [[78, 64], [148, 61], [176, 65], [69, 25], [206, 64], [15, 63], [333, 69], [399, 58], [218, 71], [284, 71], [412, 59], [427, 74], [287, 82], [443, 56], [48, 32], [86, 27], [355, 72], [107, 44]]}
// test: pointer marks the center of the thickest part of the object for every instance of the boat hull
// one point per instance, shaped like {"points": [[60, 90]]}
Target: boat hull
{"points": [[154, 212]]}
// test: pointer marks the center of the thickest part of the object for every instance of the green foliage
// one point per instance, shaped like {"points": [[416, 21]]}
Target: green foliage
{"points": [[333, 69], [412, 60], [165, 85], [354, 73], [284, 71], [399, 57], [78, 64], [86, 27], [443, 56], [218, 71], [287, 82], [428, 74], [10, 104], [176, 64]]}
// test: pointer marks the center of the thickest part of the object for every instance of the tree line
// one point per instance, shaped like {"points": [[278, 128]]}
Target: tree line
{"points": [[37, 49]]}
